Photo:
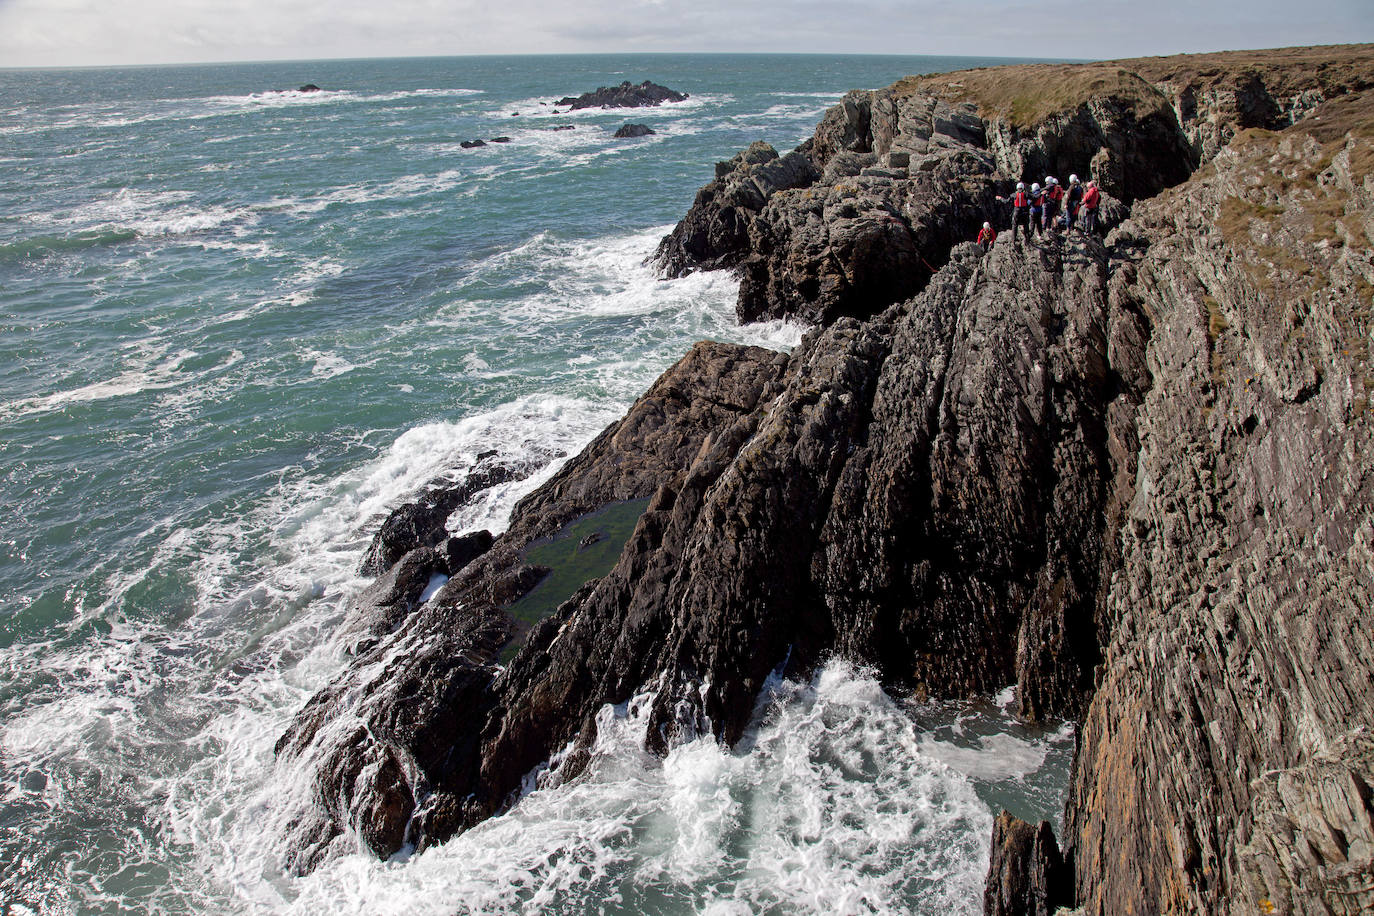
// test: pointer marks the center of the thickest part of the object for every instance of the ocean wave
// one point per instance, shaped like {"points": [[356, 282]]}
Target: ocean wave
{"points": [[828, 806], [152, 369]]}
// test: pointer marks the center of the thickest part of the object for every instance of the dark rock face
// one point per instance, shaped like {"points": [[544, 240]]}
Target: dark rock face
{"points": [[1027, 875], [472, 144], [400, 748], [626, 95], [630, 131], [715, 232], [896, 179], [309, 87]]}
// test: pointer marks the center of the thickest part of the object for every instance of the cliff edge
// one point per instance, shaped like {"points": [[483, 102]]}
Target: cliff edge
{"points": [[1130, 474]]}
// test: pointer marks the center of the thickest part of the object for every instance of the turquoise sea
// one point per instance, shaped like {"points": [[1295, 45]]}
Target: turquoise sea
{"points": [[237, 326]]}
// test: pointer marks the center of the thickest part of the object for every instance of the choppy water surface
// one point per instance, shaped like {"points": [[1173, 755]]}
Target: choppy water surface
{"points": [[237, 326]]}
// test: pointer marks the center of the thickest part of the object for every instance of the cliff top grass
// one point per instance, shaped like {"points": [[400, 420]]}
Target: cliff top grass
{"points": [[1331, 68], [1024, 95]]}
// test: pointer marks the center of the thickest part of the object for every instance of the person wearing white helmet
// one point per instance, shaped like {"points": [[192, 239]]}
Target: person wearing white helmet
{"points": [[986, 236], [1020, 209], [1037, 208], [1073, 200], [1053, 195]]}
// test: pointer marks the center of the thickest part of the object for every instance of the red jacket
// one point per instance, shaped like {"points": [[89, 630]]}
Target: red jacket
{"points": [[1055, 193], [1091, 198], [986, 235]]}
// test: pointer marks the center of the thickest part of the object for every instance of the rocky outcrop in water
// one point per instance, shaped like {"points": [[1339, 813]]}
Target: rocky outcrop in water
{"points": [[1130, 475], [627, 95], [631, 131]]}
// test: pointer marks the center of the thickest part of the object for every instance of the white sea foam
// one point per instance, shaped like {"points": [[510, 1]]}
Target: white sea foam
{"points": [[829, 807], [149, 368]]}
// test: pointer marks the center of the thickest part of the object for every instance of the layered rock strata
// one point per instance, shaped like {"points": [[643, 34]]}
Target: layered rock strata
{"points": [[1130, 475]]}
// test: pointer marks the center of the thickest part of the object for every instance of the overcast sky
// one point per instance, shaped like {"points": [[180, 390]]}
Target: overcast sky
{"points": [[97, 32]]}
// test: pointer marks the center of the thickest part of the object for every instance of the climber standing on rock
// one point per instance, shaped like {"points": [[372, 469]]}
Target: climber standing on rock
{"points": [[1053, 195], [1037, 208], [1020, 209], [1073, 201], [1092, 199], [986, 236]]}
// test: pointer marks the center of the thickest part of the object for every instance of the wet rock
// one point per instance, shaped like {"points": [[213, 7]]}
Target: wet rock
{"points": [[1027, 875], [500, 139], [633, 130], [309, 87], [626, 95], [422, 714], [421, 523], [472, 144]]}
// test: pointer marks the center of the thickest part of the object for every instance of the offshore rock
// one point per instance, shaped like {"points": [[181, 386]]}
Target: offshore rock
{"points": [[630, 131], [626, 95]]}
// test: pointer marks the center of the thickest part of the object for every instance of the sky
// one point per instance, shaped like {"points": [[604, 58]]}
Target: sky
{"points": [[61, 33]]}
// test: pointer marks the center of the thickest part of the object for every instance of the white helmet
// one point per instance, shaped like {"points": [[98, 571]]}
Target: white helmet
{"points": [[1049, 181], [1020, 186], [1035, 185], [987, 225], [1073, 179]]}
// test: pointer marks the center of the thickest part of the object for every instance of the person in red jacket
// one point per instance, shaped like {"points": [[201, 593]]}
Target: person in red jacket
{"points": [[1053, 195], [1020, 209], [986, 236], [1092, 199]]}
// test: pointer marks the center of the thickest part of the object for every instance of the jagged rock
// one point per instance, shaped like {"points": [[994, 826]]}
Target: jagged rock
{"points": [[472, 144], [1027, 875], [309, 87], [633, 130], [421, 523], [626, 95], [385, 736], [715, 232]]}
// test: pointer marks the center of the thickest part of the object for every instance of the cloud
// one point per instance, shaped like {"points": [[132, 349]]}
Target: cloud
{"points": [[74, 32]]}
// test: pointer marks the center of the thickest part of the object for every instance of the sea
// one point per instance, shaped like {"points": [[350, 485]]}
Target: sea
{"points": [[240, 323]]}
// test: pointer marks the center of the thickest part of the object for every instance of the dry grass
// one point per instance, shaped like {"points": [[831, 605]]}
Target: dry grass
{"points": [[1027, 94], [1334, 69]]}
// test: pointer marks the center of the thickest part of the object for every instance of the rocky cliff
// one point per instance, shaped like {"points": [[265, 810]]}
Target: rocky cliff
{"points": [[1129, 474]]}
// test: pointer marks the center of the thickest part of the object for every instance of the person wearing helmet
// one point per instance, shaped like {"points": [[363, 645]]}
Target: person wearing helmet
{"points": [[986, 236], [1037, 208], [1073, 199], [1053, 195], [1020, 209], [1092, 199]]}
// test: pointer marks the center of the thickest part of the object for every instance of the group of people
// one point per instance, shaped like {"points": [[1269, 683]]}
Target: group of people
{"points": [[1048, 209]]}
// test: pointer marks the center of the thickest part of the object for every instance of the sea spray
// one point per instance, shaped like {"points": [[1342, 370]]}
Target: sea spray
{"points": [[828, 806]]}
